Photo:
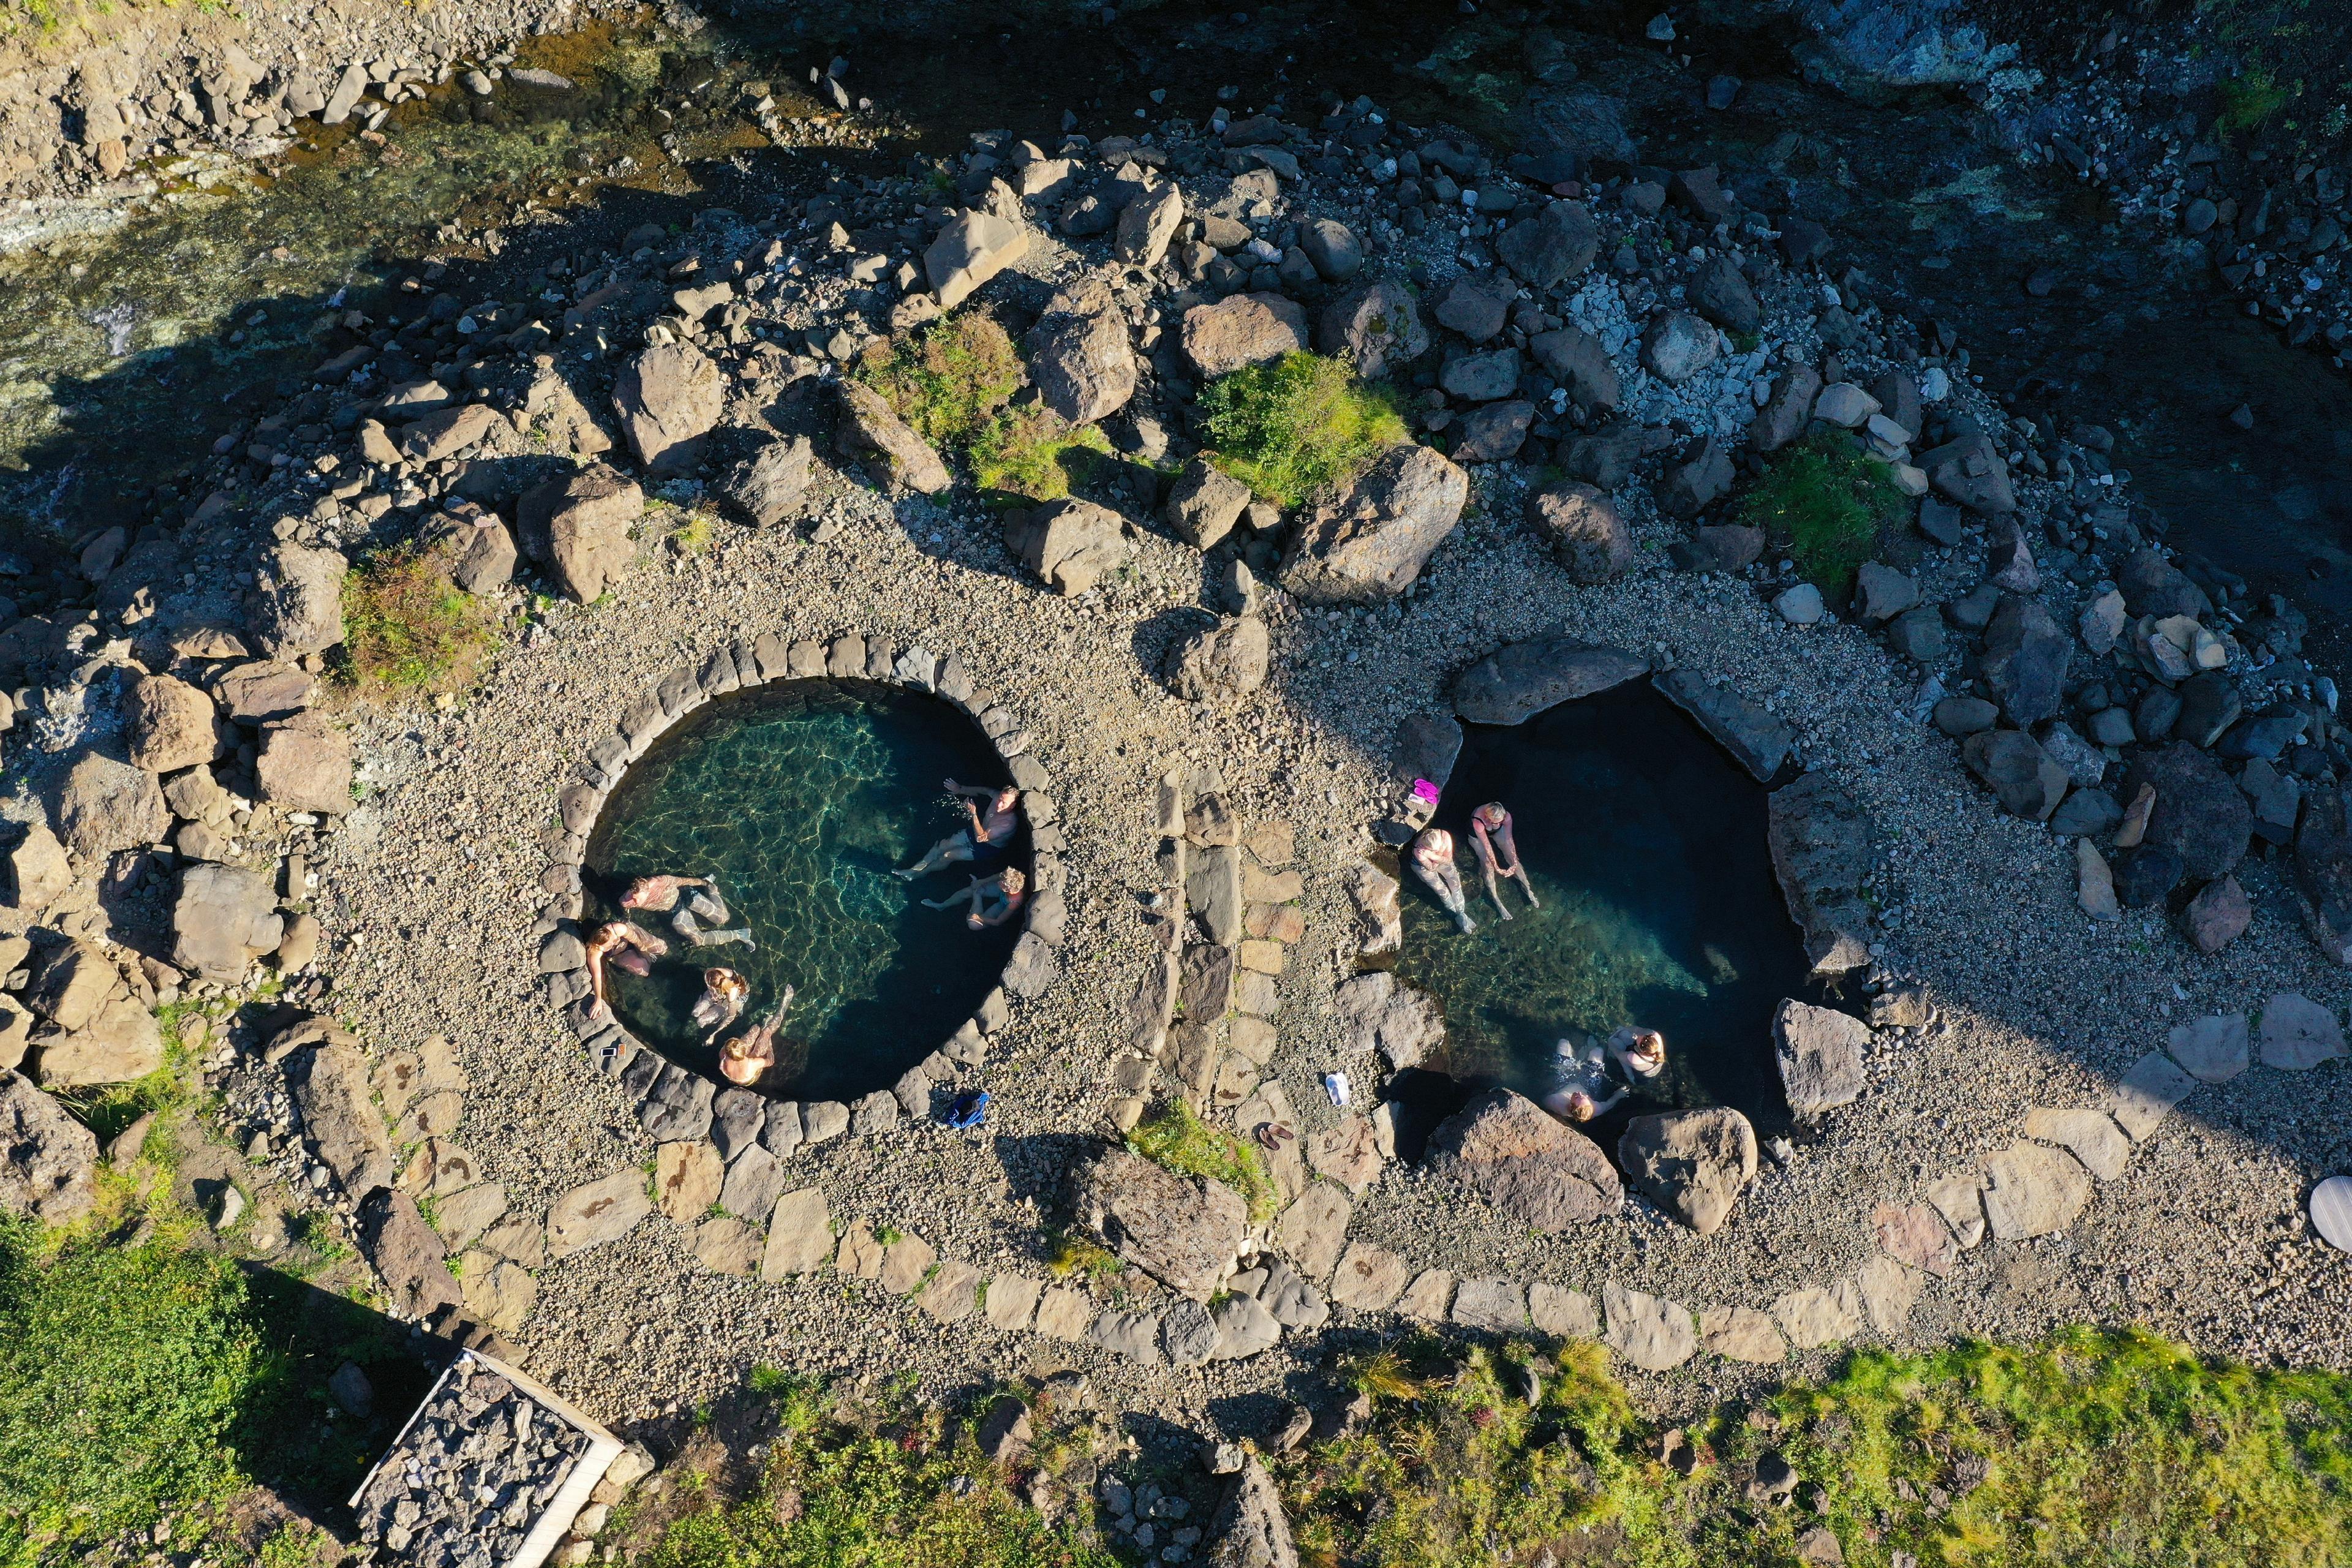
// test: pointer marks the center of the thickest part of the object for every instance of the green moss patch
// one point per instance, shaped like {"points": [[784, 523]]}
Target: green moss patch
{"points": [[1178, 1139], [1824, 502], [408, 629], [948, 381], [1294, 426]]}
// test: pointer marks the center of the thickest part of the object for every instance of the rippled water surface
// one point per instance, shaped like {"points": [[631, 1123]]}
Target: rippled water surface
{"points": [[798, 799], [1646, 844]]}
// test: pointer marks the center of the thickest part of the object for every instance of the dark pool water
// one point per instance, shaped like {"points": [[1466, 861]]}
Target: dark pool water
{"points": [[798, 799], [1646, 844]]}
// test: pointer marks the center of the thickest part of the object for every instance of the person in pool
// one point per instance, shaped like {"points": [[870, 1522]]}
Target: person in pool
{"points": [[983, 843], [689, 902], [626, 944], [1640, 1054], [724, 992], [747, 1057], [1433, 862], [1582, 1086], [1490, 839], [994, 899]]}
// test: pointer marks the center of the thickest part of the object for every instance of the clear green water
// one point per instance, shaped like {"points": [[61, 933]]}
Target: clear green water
{"points": [[798, 799], [1646, 844]]}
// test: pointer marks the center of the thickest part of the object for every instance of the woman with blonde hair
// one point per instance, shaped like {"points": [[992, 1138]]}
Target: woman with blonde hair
{"points": [[994, 899]]}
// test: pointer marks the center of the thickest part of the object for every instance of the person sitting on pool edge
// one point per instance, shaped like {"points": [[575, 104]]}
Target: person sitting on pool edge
{"points": [[994, 899], [1640, 1054], [724, 992], [694, 900], [1433, 862], [983, 844], [1582, 1088], [746, 1058], [627, 944], [1490, 838]]}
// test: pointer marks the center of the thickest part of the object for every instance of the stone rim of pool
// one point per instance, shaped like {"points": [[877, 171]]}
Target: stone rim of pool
{"points": [[667, 1093]]}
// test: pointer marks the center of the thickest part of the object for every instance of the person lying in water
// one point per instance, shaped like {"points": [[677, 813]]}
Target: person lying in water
{"points": [[747, 1057], [691, 902], [994, 899], [1581, 1087], [1640, 1054], [1433, 862], [724, 992], [627, 944], [983, 843], [1490, 838]]}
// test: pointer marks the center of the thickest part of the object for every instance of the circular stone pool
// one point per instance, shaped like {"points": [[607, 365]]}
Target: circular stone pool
{"points": [[1646, 844], [798, 798]]}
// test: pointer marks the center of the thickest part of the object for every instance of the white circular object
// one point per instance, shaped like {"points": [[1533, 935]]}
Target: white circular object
{"points": [[2331, 1212]]}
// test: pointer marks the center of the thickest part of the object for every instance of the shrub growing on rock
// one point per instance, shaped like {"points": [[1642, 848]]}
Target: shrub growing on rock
{"points": [[1177, 1139], [1824, 502], [407, 629], [1027, 450], [1295, 425], [948, 383]]}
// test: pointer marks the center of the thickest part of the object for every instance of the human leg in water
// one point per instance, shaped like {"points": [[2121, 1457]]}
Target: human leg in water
{"points": [[686, 926]]}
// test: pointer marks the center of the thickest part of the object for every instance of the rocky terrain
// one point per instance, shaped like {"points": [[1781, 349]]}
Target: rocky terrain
{"points": [[2066, 820]]}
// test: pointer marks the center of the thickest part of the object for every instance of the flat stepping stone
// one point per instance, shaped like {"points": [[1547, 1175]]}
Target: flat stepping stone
{"points": [[1012, 1302], [2033, 1190], [1312, 1230], [1064, 1314], [599, 1211], [2331, 1212], [861, 1253], [726, 1246], [2298, 1034], [1490, 1303], [1889, 1291], [1961, 1200], [1741, 1333], [1564, 1313], [905, 1264], [799, 1235], [1135, 1335], [2091, 1136], [2212, 1050], [1819, 1315], [1370, 1278], [1428, 1297], [1650, 1331], [951, 1293], [1915, 1234], [2146, 1095]]}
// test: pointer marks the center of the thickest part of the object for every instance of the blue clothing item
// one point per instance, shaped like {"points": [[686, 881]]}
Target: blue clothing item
{"points": [[967, 1109]]}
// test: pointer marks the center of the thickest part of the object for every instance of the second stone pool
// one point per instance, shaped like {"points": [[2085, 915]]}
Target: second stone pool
{"points": [[798, 799], [1646, 844]]}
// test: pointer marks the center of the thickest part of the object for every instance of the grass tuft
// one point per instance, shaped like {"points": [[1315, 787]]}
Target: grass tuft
{"points": [[408, 629], [1028, 451], [1824, 502], [2249, 100], [1178, 1139], [1293, 425], [948, 383]]}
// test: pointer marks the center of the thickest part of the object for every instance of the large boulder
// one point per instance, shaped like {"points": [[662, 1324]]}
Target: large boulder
{"points": [[297, 601], [1758, 739], [406, 1252], [1969, 472], [1678, 345], [1575, 358], [48, 1162], [1374, 1010], [97, 1031], [1243, 329], [895, 456], [2151, 585], [1220, 662], [1079, 354], [1205, 503], [171, 725], [225, 918], [38, 872], [1695, 1163], [1371, 540], [1379, 327], [1250, 1530], [2025, 779], [1823, 851], [2025, 657], [1820, 1051], [578, 526], [1552, 247], [1070, 544], [1586, 533], [109, 806], [1540, 1172], [1720, 291], [446, 432], [2201, 813], [304, 763], [476, 550], [972, 248], [1520, 679], [1147, 223], [1183, 1231], [340, 1121], [765, 486], [2322, 877], [669, 397]]}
